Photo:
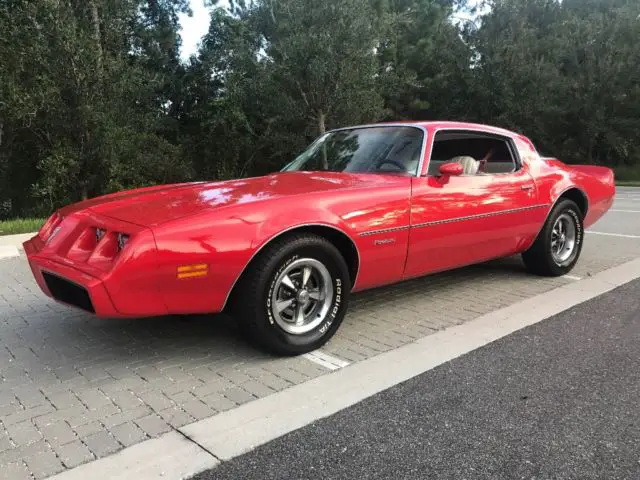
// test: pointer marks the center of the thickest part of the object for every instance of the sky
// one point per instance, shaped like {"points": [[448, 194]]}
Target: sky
{"points": [[194, 27]]}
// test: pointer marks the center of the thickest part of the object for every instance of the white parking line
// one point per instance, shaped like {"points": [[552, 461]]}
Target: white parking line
{"points": [[9, 251], [613, 234], [571, 277], [625, 211], [327, 361]]}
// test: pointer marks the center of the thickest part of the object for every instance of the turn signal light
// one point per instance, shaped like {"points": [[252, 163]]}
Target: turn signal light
{"points": [[191, 271]]}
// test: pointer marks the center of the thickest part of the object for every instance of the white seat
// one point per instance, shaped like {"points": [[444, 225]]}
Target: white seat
{"points": [[469, 164]]}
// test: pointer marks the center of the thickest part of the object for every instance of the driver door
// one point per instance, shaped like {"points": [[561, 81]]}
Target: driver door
{"points": [[460, 220]]}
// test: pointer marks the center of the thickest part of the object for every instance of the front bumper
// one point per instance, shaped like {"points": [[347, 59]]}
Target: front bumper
{"points": [[67, 284]]}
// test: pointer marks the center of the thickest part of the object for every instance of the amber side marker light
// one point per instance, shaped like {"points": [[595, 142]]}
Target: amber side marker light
{"points": [[191, 271]]}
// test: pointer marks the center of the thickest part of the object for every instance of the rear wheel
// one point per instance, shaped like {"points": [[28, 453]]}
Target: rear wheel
{"points": [[557, 247], [294, 295]]}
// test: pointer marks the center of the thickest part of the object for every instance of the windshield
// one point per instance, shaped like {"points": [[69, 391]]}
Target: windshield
{"points": [[390, 149]]}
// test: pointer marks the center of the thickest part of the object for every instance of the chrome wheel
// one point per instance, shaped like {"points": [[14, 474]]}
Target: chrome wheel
{"points": [[302, 296], [563, 239]]}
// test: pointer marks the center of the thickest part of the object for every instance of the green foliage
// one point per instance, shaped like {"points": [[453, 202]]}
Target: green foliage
{"points": [[20, 225], [95, 98]]}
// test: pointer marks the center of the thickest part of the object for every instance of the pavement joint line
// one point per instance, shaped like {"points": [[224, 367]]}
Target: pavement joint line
{"points": [[204, 444], [613, 234], [571, 277], [326, 360], [624, 211], [194, 442]]}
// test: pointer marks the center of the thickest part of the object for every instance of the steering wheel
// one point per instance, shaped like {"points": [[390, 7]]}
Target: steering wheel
{"points": [[393, 162]]}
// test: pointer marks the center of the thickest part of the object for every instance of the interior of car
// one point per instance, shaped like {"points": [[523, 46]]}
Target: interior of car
{"points": [[477, 153]]}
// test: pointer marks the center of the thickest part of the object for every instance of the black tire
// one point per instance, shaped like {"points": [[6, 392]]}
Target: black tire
{"points": [[251, 301], [539, 259]]}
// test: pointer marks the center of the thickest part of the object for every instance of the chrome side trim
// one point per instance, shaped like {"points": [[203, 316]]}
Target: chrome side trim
{"points": [[259, 249], [482, 215], [457, 219], [425, 135], [383, 230]]}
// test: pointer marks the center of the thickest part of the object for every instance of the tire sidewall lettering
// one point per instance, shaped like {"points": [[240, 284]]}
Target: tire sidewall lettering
{"points": [[333, 312], [272, 285], [579, 235]]}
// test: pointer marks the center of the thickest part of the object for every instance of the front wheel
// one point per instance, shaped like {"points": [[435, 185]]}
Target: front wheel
{"points": [[294, 295], [557, 247]]}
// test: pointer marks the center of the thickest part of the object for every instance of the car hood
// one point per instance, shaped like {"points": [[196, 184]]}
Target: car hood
{"points": [[155, 205]]}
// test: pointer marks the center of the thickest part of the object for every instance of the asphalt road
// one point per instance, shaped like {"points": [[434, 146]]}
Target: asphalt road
{"points": [[560, 399]]}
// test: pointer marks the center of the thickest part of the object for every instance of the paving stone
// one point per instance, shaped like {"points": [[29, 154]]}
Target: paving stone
{"points": [[74, 454], [197, 409], [44, 464], [291, 376], [125, 400], [153, 425], [238, 395], [93, 398], [64, 400], [15, 471], [21, 452], [23, 433], [128, 433], [274, 382], [27, 414], [101, 444], [88, 428], [257, 389], [176, 417], [126, 416], [5, 442], [219, 402], [156, 400], [58, 433]]}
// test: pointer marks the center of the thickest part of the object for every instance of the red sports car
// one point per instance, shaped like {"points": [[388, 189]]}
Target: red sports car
{"points": [[362, 207]]}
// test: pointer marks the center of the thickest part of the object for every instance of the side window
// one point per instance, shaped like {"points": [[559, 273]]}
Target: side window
{"points": [[478, 153]]}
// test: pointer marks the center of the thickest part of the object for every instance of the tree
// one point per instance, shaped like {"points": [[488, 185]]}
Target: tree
{"points": [[80, 107], [424, 62]]}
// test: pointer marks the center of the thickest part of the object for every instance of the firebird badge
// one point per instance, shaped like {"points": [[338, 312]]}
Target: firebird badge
{"points": [[384, 241]]}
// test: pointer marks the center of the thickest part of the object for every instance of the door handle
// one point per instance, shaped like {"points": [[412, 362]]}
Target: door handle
{"points": [[526, 187]]}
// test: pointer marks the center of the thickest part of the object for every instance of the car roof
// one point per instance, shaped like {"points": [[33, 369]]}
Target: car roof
{"points": [[441, 125]]}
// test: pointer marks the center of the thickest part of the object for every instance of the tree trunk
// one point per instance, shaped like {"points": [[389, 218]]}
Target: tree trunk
{"points": [[95, 33], [322, 128]]}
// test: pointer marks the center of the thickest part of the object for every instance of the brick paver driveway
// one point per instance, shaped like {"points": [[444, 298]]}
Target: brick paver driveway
{"points": [[74, 388]]}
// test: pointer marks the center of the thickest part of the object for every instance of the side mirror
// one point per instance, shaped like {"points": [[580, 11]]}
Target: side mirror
{"points": [[451, 169]]}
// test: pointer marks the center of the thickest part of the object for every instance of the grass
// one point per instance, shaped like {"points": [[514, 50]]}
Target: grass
{"points": [[20, 225], [627, 176]]}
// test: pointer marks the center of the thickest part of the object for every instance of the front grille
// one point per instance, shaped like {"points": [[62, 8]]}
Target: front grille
{"points": [[68, 292]]}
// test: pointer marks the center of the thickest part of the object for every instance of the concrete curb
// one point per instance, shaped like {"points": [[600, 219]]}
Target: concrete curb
{"points": [[205, 443], [16, 240]]}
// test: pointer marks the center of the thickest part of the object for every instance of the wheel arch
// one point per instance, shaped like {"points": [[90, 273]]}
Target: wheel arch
{"points": [[578, 196], [572, 193], [341, 240]]}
